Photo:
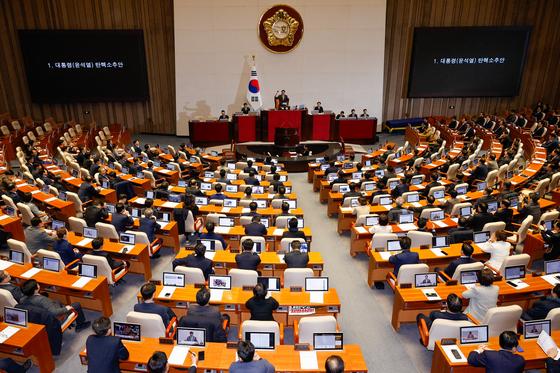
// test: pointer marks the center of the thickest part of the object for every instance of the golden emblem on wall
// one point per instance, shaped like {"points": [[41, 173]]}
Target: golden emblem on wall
{"points": [[280, 28]]}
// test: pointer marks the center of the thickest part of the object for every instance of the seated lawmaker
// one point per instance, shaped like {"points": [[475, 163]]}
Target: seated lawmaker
{"points": [[318, 108], [481, 217], [364, 114], [196, 260], [252, 209], [67, 252], [383, 226], [341, 115], [260, 306], [293, 231], [218, 195], [552, 238], [148, 306], [255, 228], [95, 213], [158, 363], [252, 180], [248, 259], [504, 360], [36, 237], [104, 351], [5, 284], [121, 219], [203, 315], [210, 235], [462, 232], [249, 167], [363, 207], [453, 312], [405, 257], [296, 258], [148, 224], [283, 100], [498, 248], [482, 297], [466, 258], [353, 114], [540, 309]]}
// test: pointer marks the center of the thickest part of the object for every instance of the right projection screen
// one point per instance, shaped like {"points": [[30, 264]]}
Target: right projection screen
{"points": [[467, 61]]}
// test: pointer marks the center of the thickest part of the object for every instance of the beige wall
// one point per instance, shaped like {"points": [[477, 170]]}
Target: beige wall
{"points": [[339, 60]]}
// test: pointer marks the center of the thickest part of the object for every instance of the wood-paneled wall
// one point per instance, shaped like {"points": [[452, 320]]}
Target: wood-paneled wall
{"points": [[155, 17], [541, 78]]}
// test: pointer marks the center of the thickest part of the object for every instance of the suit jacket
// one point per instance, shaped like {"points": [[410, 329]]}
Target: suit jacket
{"points": [[406, 257], [86, 192], [460, 234], [480, 172], [505, 215], [255, 229], [104, 353], [150, 227], [14, 290], [296, 259], [214, 236], [37, 238], [66, 251], [206, 317], [293, 234], [121, 222], [94, 214], [252, 181], [37, 315], [46, 304], [194, 261], [247, 260], [530, 209], [478, 220], [501, 361], [541, 308], [451, 267], [112, 262], [166, 313]]}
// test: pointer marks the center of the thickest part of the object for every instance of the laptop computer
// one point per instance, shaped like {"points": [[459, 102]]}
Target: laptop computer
{"points": [[191, 337], [316, 284], [425, 280], [127, 331], [474, 334], [328, 341]]}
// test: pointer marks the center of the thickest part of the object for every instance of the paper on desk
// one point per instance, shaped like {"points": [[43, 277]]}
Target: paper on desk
{"points": [[84, 242], [178, 355], [226, 209], [30, 273], [216, 295], [440, 223], [81, 282], [245, 210], [166, 290], [308, 360], [170, 205], [140, 201], [431, 294], [209, 255], [35, 191], [407, 227], [447, 349], [316, 297], [281, 257], [2, 217], [221, 230], [50, 199], [385, 255], [69, 178], [5, 264], [551, 279], [127, 247], [361, 230], [346, 210], [162, 224], [278, 232], [7, 332], [437, 252], [520, 284], [546, 342], [456, 220], [416, 204]]}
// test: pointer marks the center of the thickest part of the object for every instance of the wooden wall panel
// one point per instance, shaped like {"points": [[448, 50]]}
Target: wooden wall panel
{"points": [[541, 78], [155, 17]]}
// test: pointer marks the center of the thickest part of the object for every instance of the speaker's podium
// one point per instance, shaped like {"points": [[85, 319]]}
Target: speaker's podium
{"points": [[273, 119], [286, 140]]}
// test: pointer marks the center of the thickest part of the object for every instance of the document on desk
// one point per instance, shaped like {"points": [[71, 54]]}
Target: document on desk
{"points": [[209, 255], [170, 205], [166, 291], [7, 332], [316, 297], [128, 248], [346, 210], [140, 201], [178, 355], [216, 295], [449, 352], [551, 279], [437, 252], [5, 264], [50, 199], [2, 217], [162, 224], [278, 232], [221, 230], [456, 220], [440, 223], [81, 282], [385, 255], [308, 360], [361, 230], [416, 204], [30, 273], [407, 227], [35, 191], [546, 342], [519, 284], [226, 209], [245, 210], [431, 294], [69, 178], [84, 242]]}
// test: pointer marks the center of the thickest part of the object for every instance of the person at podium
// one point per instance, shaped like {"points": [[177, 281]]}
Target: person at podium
{"points": [[353, 114], [364, 114], [318, 108], [245, 109], [223, 115], [282, 101], [340, 115]]}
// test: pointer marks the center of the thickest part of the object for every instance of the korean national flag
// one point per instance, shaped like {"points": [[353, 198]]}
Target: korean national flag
{"points": [[254, 90]]}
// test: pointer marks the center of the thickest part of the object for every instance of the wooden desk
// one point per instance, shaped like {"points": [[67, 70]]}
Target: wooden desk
{"points": [[139, 256], [238, 211], [13, 225], [74, 183], [159, 203], [219, 358], [30, 342], [234, 234], [233, 303], [409, 302], [271, 263], [64, 208], [168, 233], [534, 356]]}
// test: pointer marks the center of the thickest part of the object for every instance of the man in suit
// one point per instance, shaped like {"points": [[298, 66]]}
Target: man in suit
{"points": [[276, 183], [507, 191], [249, 167], [246, 108], [283, 100], [97, 245], [67, 252], [104, 351], [36, 237], [353, 114], [295, 258], [542, 307], [433, 183], [248, 259], [31, 295], [135, 148], [364, 114], [405, 257], [86, 190], [530, 207], [504, 360], [334, 363], [293, 231], [196, 260], [223, 115], [318, 108], [249, 361], [218, 195], [158, 363], [478, 220], [504, 213], [7, 285], [453, 312], [121, 219], [255, 228], [481, 171], [252, 210], [341, 115], [462, 232], [340, 179], [223, 178], [465, 258], [331, 169], [202, 315], [210, 235], [552, 238], [148, 224], [354, 191], [95, 213], [148, 306], [252, 180]]}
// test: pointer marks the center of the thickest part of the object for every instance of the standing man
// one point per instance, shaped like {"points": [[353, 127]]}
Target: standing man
{"points": [[283, 102]]}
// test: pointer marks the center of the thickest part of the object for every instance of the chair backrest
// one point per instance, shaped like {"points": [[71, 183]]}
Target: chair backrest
{"points": [[554, 181], [73, 197], [379, 240], [456, 210], [361, 219], [348, 201], [502, 171], [379, 196], [8, 201], [549, 215], [524, 229], [253, 326], [417, 162], [140, 237], [282, 221], [276, 203], [443, 328], [107, 231], [5, 130], [76, 225], [150, 176], [452, 171], [255, 239], [244, 220], [296, 276], [243, 277], [554, 317], [42, 253], [336, 187], [307, 326], [477, 266], [21, 247], [407, 272], [214, 218], [103, 268], [491, 178], [542, 186], [286, 242], [494, 226], [435, 189], [53, 190], [6, 299], [26, 214], [189, 223], [501, 319], [426, 212], [420, 238], [515, 260], [151, 324], [192, 275]]}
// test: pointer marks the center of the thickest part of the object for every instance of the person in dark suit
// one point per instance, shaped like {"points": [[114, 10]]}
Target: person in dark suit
{"points": [[364, 114], [9, 365], [255, 228], [462, 232], [252, 180], [97, 245], [245, 109], [295, 258], [293, 231], [340, 179], [283, 100], [530, 207], [453, 312], [148, 306], [196, 260], [218, 195], [104, 351], [341, 115], [318, 108], [135, 148], [158, 363], [552, 238], [148, 224], [542, 307], [86, 190], [276, 183], [465, 258], [481, 171], [260, 306], [504, 360], [121, 219], [248, 259], [210, 235], [504, 213], [252, 210], [5, 284], [162, 191], [478, 220], [223, 115], [331, 169], [67, 252], [223, 178], [202, 315], [405, 257], [249, 167]]}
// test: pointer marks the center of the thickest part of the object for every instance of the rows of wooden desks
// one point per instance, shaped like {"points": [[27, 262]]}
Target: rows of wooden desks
{"points": [[218, 357], [29, 342], [273, 236]]}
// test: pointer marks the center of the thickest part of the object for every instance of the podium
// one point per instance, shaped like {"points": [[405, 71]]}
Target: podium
{"points": [[245, 127], [272, 119], [286, 137], [361, 131], [321, 126], [209, 132]]}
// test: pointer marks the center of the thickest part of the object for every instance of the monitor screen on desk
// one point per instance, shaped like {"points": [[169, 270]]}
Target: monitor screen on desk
{"points": [[474, 334], [547, 225], [261, 340], [163, 216], [174, 279], [210, 245], [291, 202], [191, 336], [406, 218], [56, 224], [324, 166], [270, 283], [356, 175], [328, 341], [344, 188], [368, 187], [110, 208], [492, 206], [257, 189], [385, 201], [413, 197], [261, 203], [514, 202], [416, 180], [470, 277], [257, 247], [482, 236], [439, 194], [175, 198], [393, 184], [201, 201], [128, 331], [316, 284], [232, 188], [150, 194], [51, 264], [532, 329], [515, 272], [15, 316], [226, 222], [379, 173], [205, 186], [219, 282], [230, 202], [16, 257], [87, 270], [440, 241], [393, 245], [300, 223], [461, 189], [62, 196], [372, 220], [231, 176], [425, 280], [208, 174], [481, 186], [135, 212], [90, 232], [437, 215], [552, 266], [466, 211], [127, 238], [265, 222]]}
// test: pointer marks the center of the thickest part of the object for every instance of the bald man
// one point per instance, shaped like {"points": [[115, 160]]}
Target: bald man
{"points": [[334, 364]]}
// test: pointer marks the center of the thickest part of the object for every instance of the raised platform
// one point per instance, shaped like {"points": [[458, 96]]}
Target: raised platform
{"points": [[293, 164]]}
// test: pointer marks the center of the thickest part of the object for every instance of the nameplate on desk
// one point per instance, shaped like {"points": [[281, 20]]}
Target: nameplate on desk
{"points": [[226, 209], [50, 199], [30, 273], [440, 224], [7, 332], [301, 310]]}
